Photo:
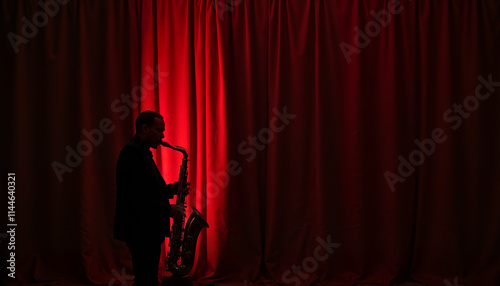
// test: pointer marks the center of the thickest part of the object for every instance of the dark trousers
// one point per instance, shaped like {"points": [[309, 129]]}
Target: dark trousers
{"points": [[145, 261]]}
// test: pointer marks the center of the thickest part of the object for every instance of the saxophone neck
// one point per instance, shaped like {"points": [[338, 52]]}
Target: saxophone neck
{"points": [[176, 148]]}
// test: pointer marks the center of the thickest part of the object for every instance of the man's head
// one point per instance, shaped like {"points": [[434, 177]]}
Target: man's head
{"points": [[149, 126]]}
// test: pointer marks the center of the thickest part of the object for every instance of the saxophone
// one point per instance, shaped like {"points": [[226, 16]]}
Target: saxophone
{"points": [[182, 241]]}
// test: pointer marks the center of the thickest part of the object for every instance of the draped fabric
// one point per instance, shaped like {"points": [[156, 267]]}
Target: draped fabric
{"points": [[330, 142]]}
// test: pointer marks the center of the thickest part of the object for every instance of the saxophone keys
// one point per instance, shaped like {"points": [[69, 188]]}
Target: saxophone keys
{"points": [[189, 240]]}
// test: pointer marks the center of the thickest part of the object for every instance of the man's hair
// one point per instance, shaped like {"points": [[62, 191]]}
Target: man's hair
{"points": [[146, 117]]}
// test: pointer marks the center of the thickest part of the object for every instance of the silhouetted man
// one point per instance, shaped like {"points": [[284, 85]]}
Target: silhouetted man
{"points": [[142, 206]]}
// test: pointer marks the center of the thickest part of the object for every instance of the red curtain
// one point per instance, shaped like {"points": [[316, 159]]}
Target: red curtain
{"points": [[331, 142]]}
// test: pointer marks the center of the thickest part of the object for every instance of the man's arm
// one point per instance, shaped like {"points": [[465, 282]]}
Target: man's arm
{"points": [[139, 186]]}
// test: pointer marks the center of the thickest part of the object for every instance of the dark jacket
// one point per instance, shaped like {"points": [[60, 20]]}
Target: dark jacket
{"points": [[142, 207]]}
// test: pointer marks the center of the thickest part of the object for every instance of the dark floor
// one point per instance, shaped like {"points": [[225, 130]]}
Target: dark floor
{"points": [[196, 284]]}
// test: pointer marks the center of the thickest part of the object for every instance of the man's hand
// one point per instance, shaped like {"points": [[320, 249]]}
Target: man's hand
{"points": [[175, 186], [177, 212], [186, 189]]}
